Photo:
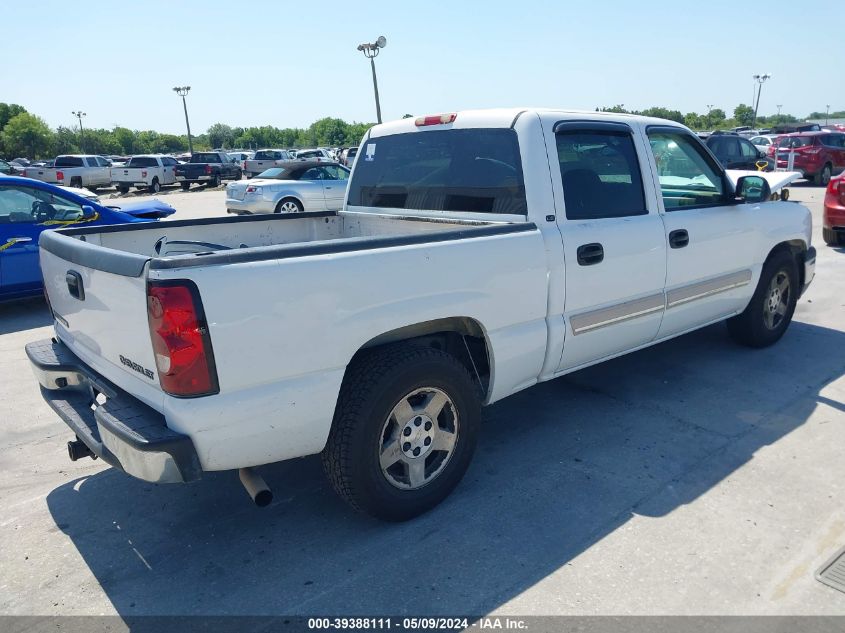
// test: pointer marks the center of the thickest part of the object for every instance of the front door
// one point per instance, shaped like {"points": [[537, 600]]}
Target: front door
{"points": [[709, 260], [19, 231], [613, 239], [335, 186]]}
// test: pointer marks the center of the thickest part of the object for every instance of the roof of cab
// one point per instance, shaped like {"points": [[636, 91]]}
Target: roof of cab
{"points": [[506, 117]]}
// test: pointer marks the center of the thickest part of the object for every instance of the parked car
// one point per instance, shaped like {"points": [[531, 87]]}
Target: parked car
{"points": [[313, 154], [736, 152], [147, 171], [763, 142], [374, 336], [74, 170], [347, 158], [296, 187], [29, 207], [265, 159], [833, 221], [209, 168], [817, 155], [241, 157], [6, 168]]}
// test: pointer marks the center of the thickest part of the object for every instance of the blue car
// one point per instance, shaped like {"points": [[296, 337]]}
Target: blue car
{"points": [[29, 207]]}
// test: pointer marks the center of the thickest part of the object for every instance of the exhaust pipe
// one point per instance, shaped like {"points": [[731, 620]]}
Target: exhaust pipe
{"points": [[77, 450], [256, 487]]}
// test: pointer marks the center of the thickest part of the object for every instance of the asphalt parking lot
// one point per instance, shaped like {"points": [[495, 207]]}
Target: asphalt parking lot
{"points": [[694, 477]]}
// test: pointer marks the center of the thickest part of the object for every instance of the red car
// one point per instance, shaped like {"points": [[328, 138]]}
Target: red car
{"points": [[833, 222], [818, 155]]}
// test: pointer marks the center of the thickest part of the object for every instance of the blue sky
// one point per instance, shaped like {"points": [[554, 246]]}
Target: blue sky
{"points": [[288, 64]]}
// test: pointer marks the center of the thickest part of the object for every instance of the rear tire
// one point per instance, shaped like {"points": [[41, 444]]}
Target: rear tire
{"points": [[123, 190], [185, 186], [214, 182], [155, 187], [770, 311], [832, 238], [404, 431], [76, 182], [289, 205], [823, 177]]}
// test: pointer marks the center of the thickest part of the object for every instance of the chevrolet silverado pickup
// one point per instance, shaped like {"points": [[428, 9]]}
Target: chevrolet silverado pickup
{"points": [[148, 172], [477, 254], [208, 168], [74, 171]]}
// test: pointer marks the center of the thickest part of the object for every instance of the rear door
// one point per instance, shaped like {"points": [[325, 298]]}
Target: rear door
{"points": [[613, 238], [710, 264]]}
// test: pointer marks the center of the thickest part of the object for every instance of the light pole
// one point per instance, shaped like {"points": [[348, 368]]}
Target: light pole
{"points": [[827, 114], [182, 91], [79, 114], [371, 52], [760, 79]]}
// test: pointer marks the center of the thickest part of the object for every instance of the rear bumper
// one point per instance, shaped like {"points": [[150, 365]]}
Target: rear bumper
{"points": [[809, 267], [203, 178], [122, 431]]}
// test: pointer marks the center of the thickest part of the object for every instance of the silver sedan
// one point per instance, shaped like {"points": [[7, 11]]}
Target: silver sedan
{"points": [[295, 187]]}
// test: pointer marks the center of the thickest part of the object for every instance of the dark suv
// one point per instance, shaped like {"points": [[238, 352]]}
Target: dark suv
{"points": [[736, 152], [818, 155]]}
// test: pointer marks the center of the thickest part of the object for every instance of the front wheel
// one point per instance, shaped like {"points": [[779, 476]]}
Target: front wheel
{"points": [[770, 311], [404, 431]]}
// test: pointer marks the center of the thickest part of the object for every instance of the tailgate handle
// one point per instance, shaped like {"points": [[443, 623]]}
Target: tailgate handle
{"points": [[74, 285]]}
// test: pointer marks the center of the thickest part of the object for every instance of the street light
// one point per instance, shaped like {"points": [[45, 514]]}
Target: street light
{"points": [[79, 114], [182, 91], [760, 79], [371, 52], [827, 114], [779, 106]]}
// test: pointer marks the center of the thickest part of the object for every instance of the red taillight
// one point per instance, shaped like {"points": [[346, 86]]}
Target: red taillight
{"points": [[251, 189], [60, 175], [23, 173], [180, 338], [208, 169], [436, 119], [144, 174]]}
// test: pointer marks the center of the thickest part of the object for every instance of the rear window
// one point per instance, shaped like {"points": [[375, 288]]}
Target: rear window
{"points": [[205, 158], [476, 170], [69, 161], [142, 161], [268, 155], [795, 141], [314, 153]]}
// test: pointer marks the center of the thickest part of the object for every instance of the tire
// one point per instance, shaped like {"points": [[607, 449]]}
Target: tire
{"points": [[76, 182], [289, 205], [185, 185], [155, 187], [769, 313], [832, 238], [123, 190], [214, 182], [823, 177], [415, 381]]}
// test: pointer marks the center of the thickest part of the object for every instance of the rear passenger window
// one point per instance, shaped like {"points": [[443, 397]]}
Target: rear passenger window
{"points": [[472, 170], [600, 173]]}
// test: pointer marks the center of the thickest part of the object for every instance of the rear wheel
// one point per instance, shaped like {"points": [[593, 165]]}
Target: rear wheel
{"points": [[823, 177], [770, 311], [289, 205], [214, 182], [404, 431], [123, 189], [185, 186], [155, 187], [76, 182]]}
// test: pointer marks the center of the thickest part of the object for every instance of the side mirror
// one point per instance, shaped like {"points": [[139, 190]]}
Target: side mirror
{"points": [[88, 211], [753, 189]]}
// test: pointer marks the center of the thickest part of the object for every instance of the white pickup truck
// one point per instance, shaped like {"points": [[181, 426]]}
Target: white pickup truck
{"points": [[477, 254], [74, 170], [149, 171]]}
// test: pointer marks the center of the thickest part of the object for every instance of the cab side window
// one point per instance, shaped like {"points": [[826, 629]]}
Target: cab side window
{"points": [[600, 174], [688, 177]]}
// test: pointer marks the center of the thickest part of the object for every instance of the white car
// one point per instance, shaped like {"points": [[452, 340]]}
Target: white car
{"points": [[318, 154], [477, 254], [763, 142], [295, 187], [74, 170]]}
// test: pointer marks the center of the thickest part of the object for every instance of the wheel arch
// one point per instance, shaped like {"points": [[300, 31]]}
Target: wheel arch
{"points": [[796, 248], [463, 337]]}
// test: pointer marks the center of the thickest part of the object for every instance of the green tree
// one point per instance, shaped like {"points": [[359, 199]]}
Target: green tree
{"points": [[663, 113], [66, 141], [221, 135], [8, 111], [27, 135], [329, 132], [714, 118], [744, 115], [694, 121]]}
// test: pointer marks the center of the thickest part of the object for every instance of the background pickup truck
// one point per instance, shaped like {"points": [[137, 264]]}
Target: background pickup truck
{"points": [[477, 254], [145, 172], [265, 159], [74, 171], [210, 168]]}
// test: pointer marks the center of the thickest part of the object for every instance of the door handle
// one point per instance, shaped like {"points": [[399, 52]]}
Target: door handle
{"points": [[18, 240], [590, 254], [678, 238]]}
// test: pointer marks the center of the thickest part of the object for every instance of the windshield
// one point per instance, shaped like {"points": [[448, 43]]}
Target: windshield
{"points": [[281, 173], [475, 170]]}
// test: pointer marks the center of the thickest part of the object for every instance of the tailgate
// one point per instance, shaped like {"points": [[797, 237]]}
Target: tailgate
{"points": [[131, 174], [99, 300]]}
